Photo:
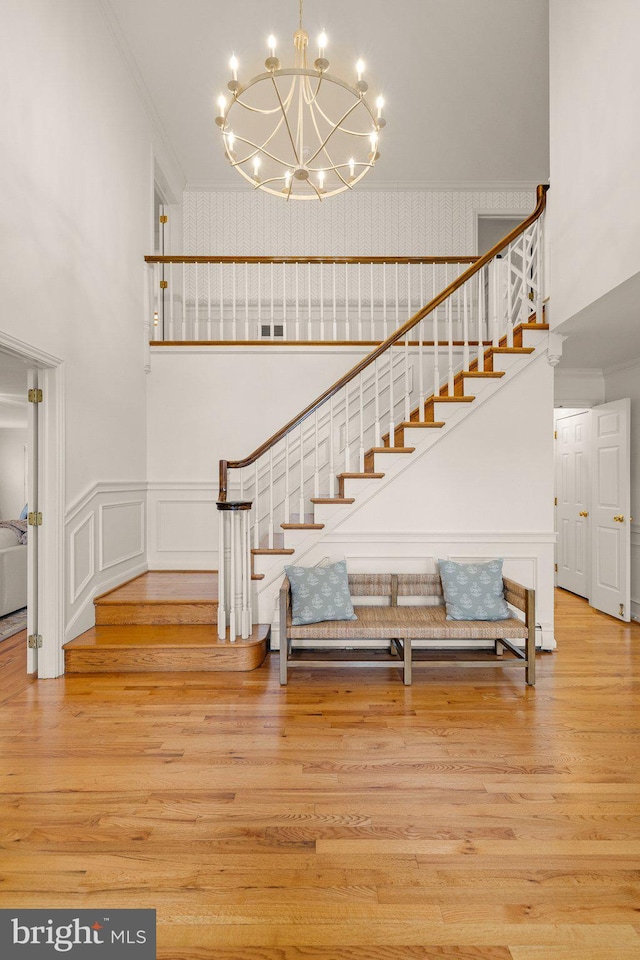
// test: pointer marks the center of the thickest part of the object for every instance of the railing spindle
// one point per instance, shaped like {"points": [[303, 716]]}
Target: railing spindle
{"points": [[436, 348], [234, 298], [335, 308], [509, 301], [247, 618], [172, 332], [465, 330], [392, 425], [271, 522], [246, 301], [297, 286], [301, 506], [373, 319], [332, 469], [285, 332], [316, 458], [450, 378], [256, 507], [347, 457], [232, 577], [196, 304], [361, 411], [359, 301], [271, 309], [221, 265], [384, 301], [222, 567], [287, 478], [321, 293], [347, 319], [377, 441], [481, 302]]}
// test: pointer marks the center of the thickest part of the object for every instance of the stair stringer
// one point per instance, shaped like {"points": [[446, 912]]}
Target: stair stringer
{"points": [[309, 549]]}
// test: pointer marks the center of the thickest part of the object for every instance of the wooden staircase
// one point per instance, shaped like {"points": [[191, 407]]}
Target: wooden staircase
{"points": [[427, 418], [162, 621]]}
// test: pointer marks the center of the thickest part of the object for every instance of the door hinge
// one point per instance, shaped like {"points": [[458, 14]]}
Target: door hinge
{"points": [[163, 218], [555, 501], [622, 609], [555, 434], [34, 519], [164, 284], [34, 395], [555, 567], [34, 641]]}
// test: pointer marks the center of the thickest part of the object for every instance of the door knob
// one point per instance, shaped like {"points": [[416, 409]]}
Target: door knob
{"points": [[619, 518], [583, 513]]}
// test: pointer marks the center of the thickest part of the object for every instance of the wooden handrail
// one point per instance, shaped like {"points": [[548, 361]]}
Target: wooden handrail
{"points": [[480, 262], [188, 258]]}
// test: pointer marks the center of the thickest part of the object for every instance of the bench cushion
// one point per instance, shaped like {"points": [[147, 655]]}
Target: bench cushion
{"points": [[425, 622]]}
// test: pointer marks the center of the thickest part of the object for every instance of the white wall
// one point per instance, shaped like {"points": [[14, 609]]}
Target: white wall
{"points": [[578, 388], [594, 216], [12, 472], [358, 223], [621, 383], [76, 162]]}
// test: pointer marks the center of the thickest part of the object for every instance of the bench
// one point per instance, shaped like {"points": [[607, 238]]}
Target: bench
{"points": [[400, 622]]}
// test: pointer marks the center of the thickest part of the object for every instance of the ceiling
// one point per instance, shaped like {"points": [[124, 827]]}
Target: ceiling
{"points": [[465, 82]]}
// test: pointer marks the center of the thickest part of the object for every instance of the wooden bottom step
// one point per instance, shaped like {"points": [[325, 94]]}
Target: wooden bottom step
{"points": [[165, 647], [161, 597]]}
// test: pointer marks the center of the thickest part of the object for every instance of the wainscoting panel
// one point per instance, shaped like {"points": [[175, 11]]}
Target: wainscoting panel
{"points": [[183, 526], [105, 534]]}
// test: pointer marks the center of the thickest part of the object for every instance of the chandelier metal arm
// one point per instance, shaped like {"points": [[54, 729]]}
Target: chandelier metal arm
{"points": [[334, 167], [327, 138], [286, 119], [257, 149], [264, 113]]}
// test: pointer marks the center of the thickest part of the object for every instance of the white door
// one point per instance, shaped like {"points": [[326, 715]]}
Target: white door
{"points": [[32, 537], [573, 494], [610, 502]]}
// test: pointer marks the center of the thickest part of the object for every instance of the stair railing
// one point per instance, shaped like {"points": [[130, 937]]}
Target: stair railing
{"points": [[310, 457], [226, 300]]}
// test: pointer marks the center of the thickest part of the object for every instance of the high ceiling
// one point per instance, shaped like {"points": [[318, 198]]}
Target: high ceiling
{"points": [[465, 81]]}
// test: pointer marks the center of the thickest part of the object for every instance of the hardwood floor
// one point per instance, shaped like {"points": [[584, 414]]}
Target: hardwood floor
{"points": [[343, 817]]}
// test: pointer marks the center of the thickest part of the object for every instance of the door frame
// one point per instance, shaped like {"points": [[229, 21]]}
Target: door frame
{"points": [[51, 488]]}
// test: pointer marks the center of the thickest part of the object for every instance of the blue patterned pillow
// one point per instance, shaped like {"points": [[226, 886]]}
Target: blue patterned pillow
{"points": [[473, 591], [320, 593]]}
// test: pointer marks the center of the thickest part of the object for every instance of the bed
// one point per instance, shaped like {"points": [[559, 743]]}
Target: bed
{"points": [[13, 565]]}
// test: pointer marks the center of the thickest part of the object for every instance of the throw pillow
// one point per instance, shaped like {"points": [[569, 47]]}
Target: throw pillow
{"points": [[320, 593], [25, 512], [473, 591]]}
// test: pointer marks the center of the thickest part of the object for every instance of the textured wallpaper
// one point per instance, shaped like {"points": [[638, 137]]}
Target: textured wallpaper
{"points": [[360, 223]]}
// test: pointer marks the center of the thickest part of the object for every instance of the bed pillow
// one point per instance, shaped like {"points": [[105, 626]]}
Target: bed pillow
{"points": [[320, 593], [473, 591]]}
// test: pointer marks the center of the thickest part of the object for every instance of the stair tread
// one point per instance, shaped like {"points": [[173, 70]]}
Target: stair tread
{"points": [[333, 499], [493, 374], [302, 526], [513, 349], [442, 398], [166, 587], [391, 450], [181, 636], [360, 476], [420, 424], [275, 551]]}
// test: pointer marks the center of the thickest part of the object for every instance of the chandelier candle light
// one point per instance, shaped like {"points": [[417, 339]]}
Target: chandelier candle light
{"points": [[300, 132]]}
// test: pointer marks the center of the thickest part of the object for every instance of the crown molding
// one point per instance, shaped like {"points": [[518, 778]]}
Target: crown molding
{"points": [[130, 63], [388, 186]]}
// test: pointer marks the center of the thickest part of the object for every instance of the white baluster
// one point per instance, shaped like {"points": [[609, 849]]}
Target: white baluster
{"points": [[392, 425], [234, 303], [373, 319], [221, 267], [436, 349], [297, 280], [233, 626], [287, 485], [222, 563], [347, 322], [321, 293], [465, 330], [310, 303], [450, 342], [524, 309], [509, 301], [256, 506], [384, 302], [335, 309], [359, 301], [540, 272], [481, 302], [285, 332], [316, 456], [407, 397], [332, 469], [271, 308], [184, 302], [397, 295], [301, 507], [172, 332], [208, 301], [361, 448], [246, 577], [271, 510], [259, 298], [347, 455], [246, 301], [377, 442], [196, 304]]}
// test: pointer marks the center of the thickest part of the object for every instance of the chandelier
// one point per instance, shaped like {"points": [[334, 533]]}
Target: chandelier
{"points": [[300, 132]]}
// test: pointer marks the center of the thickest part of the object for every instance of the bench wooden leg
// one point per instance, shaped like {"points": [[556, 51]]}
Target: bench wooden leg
{"points": [[406, 645], [284, 653]]}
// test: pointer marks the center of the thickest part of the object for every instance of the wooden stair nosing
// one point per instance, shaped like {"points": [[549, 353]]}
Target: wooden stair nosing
{"points": [[331, 500], [302, 526], [275, 551]]}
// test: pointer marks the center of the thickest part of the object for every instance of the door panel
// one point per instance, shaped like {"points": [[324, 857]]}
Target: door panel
{"points": [[611, 494], [572, 487]]}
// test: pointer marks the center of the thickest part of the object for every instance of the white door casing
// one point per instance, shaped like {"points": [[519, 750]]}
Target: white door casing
{"points": [[32, 537], [610, 503], [573, 506]]}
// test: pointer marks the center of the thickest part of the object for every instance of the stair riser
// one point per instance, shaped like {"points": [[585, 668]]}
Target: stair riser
{"points": [[326, 513], [449, 411], [113, 613], [234, 659], [385, 461], [418, 435], [473, 386], [534, 338], [355, 488]]}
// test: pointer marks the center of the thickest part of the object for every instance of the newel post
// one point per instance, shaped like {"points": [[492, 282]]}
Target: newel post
{"points": [[234, 570]]}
